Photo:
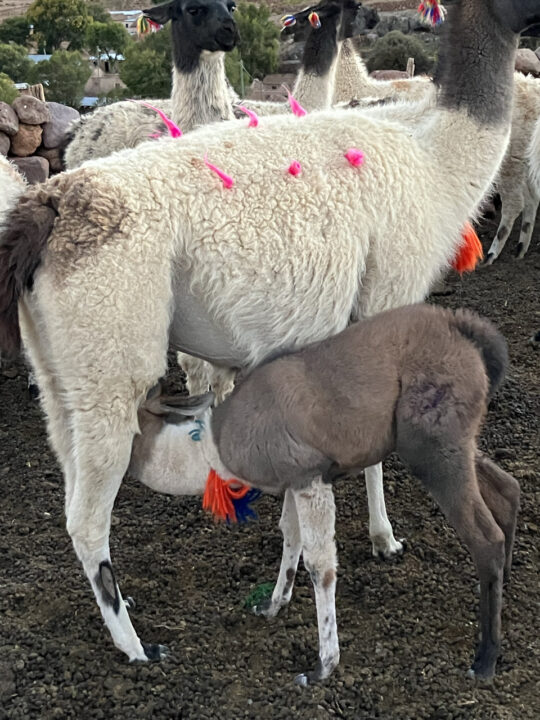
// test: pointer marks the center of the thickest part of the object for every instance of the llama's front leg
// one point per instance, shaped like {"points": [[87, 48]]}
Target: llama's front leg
{"points": [[382, 537], [292, 547], [100, 467], [316, 516]]}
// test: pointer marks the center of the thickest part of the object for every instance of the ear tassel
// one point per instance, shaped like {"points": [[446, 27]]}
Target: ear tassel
{"points": [[432, 12], [229, 500], [469, 252]]}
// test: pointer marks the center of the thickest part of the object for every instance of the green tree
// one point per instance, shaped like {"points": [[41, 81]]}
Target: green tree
{"points": [[147, 68], [15, 30], [98, 12], [64, 77], [15, 63], [109, 39], [57, 21], [258, 49], [8, 91], [392, 51]]}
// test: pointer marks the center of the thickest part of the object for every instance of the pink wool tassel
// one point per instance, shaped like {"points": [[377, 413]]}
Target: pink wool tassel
{"points": [[174, 130], [253, 118], [295, 168], [355, 157], [227, 180], [296, 108]]}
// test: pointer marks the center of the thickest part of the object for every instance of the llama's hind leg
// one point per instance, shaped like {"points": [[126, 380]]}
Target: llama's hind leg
{"points": [[449, 475], [501, 494], [103, 451], [292, 547], [316, 516], [384, 544], [512, 205], [527, 224]]}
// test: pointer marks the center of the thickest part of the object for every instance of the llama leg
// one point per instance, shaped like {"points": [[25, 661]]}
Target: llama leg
{"points": [[316, 516], [512, 205], [501, 493], [527, 225], [103, 452], [292, 547], [380, 530], [450, 477]]}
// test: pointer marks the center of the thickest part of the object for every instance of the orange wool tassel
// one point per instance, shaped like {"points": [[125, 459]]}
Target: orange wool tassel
{"points": [[219, 496], [469, 252]]}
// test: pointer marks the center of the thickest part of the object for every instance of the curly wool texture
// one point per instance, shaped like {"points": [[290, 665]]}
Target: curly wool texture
{"points": [[12, 185], [322, 267]]}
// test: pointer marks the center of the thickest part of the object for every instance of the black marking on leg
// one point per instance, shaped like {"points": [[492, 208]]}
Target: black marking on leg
{"points": [[519, 248], [106, 582], [290, 579], [502, 231]]}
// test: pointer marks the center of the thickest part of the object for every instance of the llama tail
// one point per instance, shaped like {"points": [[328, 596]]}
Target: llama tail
{"points": [[23, 241], [490, 343]]}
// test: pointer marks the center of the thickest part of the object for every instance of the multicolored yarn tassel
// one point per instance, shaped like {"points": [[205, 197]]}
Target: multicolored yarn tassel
{"points": [[146, 26], [253, 117], [432, 12], [229, 500], [288, 21], [314, 20], [174, 130], [469, 252], [227, 180]]}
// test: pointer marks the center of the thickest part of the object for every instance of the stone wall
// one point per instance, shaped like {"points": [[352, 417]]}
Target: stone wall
{"points": [[31, 135]]}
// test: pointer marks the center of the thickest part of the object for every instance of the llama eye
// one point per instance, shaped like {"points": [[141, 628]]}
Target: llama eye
{"points": [[232, 8], [195, 11]]}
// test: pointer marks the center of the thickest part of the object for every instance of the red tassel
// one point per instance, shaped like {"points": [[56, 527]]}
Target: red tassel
{"points": [[219, 495], [469, 252]]}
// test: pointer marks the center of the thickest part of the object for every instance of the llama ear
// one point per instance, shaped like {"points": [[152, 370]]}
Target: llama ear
{"points": [[161, 13], [177, 408]]}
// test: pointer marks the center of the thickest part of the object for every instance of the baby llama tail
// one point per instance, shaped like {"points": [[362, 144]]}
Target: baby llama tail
{"points": [[490, 343], [23, 240]]}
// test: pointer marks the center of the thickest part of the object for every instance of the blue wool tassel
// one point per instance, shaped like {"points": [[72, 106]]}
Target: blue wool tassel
{"points": [[242, 506]]}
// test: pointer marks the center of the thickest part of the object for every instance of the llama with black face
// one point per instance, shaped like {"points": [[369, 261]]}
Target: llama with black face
{"points": [[202, 32], [104, 268]]}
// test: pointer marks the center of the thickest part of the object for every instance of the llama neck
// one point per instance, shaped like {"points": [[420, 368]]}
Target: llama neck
{"points": [[314, 86], [201, 96], [352, 79], [476, 63]]}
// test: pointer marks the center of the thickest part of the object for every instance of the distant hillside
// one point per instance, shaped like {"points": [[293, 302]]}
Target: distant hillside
{"points": [[9, 8]]}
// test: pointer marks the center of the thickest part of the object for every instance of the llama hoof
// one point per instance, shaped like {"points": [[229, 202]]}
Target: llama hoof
{"points": [[389, 548], [266, 608], [321, 672], [155, 652], [477, 676], [129, 602], [301, 680], [490, 259]]}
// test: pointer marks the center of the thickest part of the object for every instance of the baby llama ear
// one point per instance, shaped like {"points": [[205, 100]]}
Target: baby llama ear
{"points": [[161, 14], [176, 408]]}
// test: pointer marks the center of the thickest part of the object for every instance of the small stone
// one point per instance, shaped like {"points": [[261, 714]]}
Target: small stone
{"points": [[9, 122], [54, 157], [4, 144], [527, 62], [26, 141], [61, 118], [35, 169], [30, 110]]}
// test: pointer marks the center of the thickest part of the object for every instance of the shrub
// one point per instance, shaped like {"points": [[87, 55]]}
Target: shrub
{"points": [[392, 51], [8, 91]]}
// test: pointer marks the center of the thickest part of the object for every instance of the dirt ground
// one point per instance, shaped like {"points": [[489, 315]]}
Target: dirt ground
{"points": [[407, 629]]}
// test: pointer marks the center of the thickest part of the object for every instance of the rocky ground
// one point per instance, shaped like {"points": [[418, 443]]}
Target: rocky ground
{"points": [[407, 629]]}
